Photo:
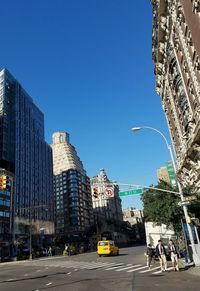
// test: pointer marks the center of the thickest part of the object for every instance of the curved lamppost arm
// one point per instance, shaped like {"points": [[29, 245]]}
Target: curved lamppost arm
{"points": [[159, 132]]}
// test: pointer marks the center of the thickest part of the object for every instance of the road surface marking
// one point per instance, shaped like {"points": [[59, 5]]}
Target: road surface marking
{"points": [[38, 271], [69, 273], [158, 272], [137, 269], [116, 266], [101, 265], [90, 266], [50, 283], [170, 268], [25, 275], [128, 268], [149, 270]]}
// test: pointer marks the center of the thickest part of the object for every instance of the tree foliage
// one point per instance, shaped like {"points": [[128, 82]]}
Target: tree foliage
{"points": [[194, 208], [162, 207]]}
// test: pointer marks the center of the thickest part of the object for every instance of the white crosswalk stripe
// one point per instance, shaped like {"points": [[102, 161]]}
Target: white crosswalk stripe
{"points": [[149, 270], [126, 268], [158, 272], [94, 265], [170, 268], [76, 264], [137, 269], [115, 267]]}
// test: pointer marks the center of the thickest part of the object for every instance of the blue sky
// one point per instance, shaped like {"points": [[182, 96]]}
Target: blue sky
{"points": [[88, 66]]}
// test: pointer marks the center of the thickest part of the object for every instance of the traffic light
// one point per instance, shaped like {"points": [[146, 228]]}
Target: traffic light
{"points": [[95, 192], [5, 182], [1, 183]]}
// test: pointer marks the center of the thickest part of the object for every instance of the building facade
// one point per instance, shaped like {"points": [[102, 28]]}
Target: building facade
{"points": [[107, 209], [162, 175], [6, 198], [26, 155], [176, 56], [72, 193], [133, 215]]}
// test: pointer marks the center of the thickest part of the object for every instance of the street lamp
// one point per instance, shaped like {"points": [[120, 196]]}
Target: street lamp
{"points": [[185, 210]]}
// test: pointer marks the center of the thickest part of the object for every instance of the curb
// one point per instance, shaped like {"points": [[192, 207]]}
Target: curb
{"points": [[194, 271], [26, 261]]}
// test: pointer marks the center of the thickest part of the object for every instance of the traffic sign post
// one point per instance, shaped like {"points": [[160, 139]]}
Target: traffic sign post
{"points": [[109, 191], [181, 203], [131, 192]]}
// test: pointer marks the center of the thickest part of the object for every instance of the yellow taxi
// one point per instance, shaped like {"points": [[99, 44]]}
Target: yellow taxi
{"points": [[107, 247]]}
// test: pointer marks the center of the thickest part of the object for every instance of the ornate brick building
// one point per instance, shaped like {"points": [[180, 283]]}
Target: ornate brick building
{"points": [[176, 56]]}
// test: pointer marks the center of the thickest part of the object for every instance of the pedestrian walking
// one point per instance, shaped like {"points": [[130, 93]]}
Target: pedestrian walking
{"points": [[45, 252], [173, 252], [183, 250], [149, 254], [161, 253], [67, 249], [50, 251]]}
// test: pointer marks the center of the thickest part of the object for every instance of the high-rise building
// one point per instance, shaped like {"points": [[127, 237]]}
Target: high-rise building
{"points": [[133, 215], [176, 56], [162, 175], [73, 202], [25, 154], [107, 209]]}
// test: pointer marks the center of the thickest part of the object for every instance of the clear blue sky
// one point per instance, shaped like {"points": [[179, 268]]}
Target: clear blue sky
{"points": [[87, 64]]}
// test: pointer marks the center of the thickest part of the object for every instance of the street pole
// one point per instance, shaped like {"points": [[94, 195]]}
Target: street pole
{"points": [[195, 255], [185, 210], [30, 238], [30, 245]]}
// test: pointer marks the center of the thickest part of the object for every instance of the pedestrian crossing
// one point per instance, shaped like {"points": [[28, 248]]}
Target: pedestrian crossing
{"points": [[94, 265]]}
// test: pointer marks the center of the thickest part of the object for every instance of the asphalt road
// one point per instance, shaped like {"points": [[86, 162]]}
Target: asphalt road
{"points": [[126, 272]]}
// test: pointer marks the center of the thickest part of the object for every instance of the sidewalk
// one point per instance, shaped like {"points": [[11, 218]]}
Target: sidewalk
{"points": [[25, 261], [194, 271], [190, 269]]}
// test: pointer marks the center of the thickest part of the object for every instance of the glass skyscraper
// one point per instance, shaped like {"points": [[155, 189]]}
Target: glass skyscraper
{"points": [[24, 152]]}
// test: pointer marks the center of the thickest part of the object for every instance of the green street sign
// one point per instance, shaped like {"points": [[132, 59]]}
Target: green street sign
{"points": [[171, 173], [131, 192]]}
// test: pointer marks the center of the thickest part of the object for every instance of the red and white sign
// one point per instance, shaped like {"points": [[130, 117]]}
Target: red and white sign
{"points": [[109, 191]]}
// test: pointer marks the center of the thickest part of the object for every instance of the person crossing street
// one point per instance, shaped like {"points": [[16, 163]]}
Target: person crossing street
{"points": [[149, 254], [173, 255], [161, 253]]}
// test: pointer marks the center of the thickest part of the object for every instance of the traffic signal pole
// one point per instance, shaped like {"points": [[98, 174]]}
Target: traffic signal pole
{"points": [[195, 254], [185, 210]]}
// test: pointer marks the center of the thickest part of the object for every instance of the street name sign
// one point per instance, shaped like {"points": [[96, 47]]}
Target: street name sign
{"points": [[131, 192], [182, 203]]}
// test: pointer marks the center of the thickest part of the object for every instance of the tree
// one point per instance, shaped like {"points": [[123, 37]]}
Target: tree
{"points": [[194, 207], [162, 207]]}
